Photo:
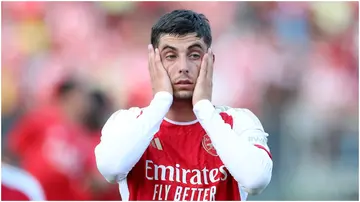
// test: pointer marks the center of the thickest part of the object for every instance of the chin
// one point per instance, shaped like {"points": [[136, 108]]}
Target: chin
{"points": [[183, 95]]}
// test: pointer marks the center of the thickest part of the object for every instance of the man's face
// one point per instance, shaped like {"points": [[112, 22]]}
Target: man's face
{"points": [[181, 57]]}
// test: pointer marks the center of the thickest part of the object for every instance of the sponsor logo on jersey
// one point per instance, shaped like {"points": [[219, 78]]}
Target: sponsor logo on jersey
{"points": [[206, 143], [156, 143], [192, 184], [258, 140], [185, 176]]}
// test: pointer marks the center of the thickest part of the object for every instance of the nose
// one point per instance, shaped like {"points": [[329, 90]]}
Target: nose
{"points": [[181, 71], [183, 66]]}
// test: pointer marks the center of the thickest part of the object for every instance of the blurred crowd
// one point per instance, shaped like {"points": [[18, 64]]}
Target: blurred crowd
{"points": [[66, 66]]}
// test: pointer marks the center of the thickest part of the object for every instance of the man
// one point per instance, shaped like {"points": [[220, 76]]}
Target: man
{"points": [[97, 187], [50, 143], [181, 147]]}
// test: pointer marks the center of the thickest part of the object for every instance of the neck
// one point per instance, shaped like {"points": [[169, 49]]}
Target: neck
{"points": [[181, 111]]}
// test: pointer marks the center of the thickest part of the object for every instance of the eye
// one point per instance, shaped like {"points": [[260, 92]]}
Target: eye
{"points": [[194, 56], [170, 56]]}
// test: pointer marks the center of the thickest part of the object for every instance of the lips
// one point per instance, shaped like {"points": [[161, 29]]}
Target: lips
{"points": [[183, 82]]}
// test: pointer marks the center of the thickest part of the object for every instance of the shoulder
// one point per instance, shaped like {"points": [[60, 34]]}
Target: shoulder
{"points": [[22, 181], [125, 115], [235, 111], [247, 125], [241, 117], [132, 112], [122, 116]]}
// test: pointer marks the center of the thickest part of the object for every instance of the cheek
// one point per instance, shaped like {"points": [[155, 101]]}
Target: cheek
{"points": [[166, 65], [170, 68], [173, 68], [195, 68]]}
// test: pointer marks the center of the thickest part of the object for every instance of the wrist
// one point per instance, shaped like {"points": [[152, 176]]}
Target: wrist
{"points": [[161, 102], [203, 109], [164, 96], [157, 109]]}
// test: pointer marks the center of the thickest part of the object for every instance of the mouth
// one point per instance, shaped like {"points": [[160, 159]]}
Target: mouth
{"points": [[184, 82]]}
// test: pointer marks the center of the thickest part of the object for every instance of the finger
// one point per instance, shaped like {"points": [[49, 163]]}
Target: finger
{"points": [[151, 55], [158, 62], [203, 67], [150, 50], [210, 64]]}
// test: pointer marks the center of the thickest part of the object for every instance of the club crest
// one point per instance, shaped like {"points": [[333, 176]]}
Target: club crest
{"points": [[206, 143]]}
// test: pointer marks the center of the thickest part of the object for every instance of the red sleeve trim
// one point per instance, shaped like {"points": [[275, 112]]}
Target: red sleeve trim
{"points": [[227, 119], [139, 114], [261, 147]]}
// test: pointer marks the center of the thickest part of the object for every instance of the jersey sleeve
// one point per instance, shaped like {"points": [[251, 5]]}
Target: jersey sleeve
{"points": [[126, 135], [249, 128], [242, 148]]}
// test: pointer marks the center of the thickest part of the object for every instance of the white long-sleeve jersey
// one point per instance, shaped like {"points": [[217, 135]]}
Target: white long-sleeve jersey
{"points": [[221, 156]]}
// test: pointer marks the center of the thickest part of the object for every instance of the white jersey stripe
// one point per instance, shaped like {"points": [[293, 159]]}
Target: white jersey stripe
{"points": [[124, 190], [158, 144], [243, 194]]}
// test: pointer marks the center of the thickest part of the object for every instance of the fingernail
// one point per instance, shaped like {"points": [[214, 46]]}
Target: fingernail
{"points": [[149, 46], [210, 51]]}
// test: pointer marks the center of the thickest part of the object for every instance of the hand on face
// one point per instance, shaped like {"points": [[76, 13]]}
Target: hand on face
{"points": [[160, 79], [204, 83]]}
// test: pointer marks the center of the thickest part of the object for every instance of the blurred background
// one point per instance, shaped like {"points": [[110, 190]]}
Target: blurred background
{"points": [[66, 66]]}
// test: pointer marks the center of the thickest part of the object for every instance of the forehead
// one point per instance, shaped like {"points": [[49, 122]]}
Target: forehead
{"points": [[180, 42]]}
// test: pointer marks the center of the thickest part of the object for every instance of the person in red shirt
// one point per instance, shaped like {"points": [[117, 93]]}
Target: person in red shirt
{"points": [[181, 146], [99, 189], [19, 185], [49, 142]]}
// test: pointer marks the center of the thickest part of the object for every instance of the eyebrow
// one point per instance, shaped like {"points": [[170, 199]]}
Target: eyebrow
{"points": [[169, 47], [195, 45]]}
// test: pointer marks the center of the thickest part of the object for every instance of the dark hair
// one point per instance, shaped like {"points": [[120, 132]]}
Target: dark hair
{"points": [[100, 108], [67, 86], [180, 23]]}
